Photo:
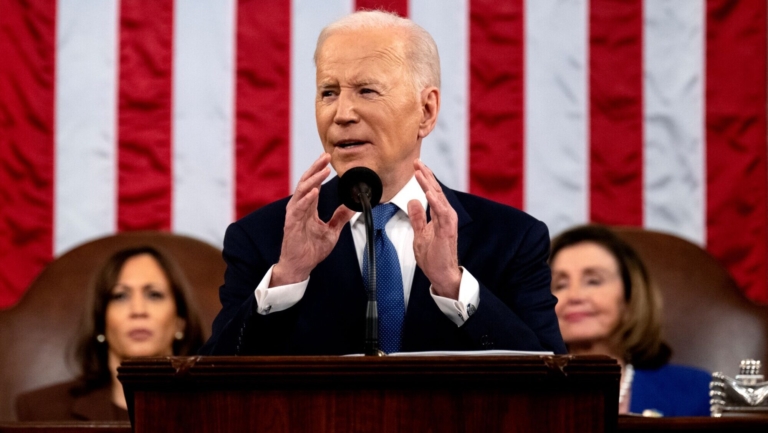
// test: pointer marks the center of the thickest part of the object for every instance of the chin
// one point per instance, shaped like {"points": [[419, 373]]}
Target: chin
{"points": [[579, 338], [341, 165], [147, 351]]}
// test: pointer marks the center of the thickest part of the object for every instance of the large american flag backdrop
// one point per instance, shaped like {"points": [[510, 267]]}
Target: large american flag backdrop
{"points": [[119, 115]]}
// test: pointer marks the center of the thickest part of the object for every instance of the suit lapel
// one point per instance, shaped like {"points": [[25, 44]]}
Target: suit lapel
{"points": [[344, 255]]}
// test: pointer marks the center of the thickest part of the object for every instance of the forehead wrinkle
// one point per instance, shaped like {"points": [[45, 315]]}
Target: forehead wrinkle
{"points": [[393, 53]]}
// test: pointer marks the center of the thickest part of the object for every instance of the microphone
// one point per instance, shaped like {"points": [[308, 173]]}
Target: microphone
{"points": [[357, 184], [360, 189]]}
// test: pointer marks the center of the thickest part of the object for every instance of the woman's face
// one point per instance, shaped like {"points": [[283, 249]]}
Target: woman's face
{"points": [[141, 314], [590, 293]]}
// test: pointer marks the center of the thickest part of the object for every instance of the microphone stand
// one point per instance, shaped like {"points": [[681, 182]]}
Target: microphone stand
{"points": [[360, 189], [371, 313]]}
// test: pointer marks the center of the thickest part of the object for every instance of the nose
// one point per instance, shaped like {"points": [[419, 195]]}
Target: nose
{"points": [[571, 294], [346, 112], [138, 306]]}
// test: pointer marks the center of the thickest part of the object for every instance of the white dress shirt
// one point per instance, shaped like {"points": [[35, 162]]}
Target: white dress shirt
{"points": [[400, 232]]}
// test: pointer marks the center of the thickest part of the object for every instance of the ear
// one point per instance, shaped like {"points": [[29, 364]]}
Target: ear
{"points": [[430, 106]]}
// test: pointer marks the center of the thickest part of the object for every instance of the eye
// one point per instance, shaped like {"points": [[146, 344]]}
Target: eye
{"points": [[558, 285], [154, 294], [327, 94], [118, 296], [367, 91], [594, 281]]}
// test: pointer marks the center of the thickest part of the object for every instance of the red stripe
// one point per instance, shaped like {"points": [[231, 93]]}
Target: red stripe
{"points": [[27, 76], [144, 115], [616, 111], [262, 103], [399, 7], [737, 183], [496, 30]]}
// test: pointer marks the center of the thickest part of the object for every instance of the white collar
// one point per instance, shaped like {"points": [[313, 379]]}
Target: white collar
{"points": [[411, 191]]}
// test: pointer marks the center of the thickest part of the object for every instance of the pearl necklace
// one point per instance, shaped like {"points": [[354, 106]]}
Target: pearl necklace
{"points": [[626, 382]]}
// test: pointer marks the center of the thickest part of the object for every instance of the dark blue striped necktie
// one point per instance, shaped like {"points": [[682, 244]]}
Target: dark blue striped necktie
{"points": [[389, 281]]}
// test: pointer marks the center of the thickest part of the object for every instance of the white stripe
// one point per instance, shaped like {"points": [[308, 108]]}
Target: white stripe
{"points": [[556, 112], [673, 58], [85, 122], [203, 118], [308, 18], [445, 150]]}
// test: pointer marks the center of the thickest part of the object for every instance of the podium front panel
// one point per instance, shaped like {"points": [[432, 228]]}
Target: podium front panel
{"points": [[370, 394]]}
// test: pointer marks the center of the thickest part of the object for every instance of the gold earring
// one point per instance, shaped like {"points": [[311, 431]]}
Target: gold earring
{"points": [[101, 338], [179, 335]]}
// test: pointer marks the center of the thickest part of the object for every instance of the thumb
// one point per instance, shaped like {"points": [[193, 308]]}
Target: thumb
{"points": [[342, 216]]}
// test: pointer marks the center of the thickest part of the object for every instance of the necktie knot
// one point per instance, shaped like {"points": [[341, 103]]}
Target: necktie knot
{"points": [[383, 213]]}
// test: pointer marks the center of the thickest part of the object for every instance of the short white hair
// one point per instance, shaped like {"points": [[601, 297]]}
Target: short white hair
{"points": [[421, 50]]}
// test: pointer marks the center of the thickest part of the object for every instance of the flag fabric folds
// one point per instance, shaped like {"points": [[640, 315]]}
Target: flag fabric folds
{"points": [[183, 115]]}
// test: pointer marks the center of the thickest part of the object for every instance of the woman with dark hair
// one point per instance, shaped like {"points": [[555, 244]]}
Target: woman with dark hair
{"points": [[138, 305], [608, 306]]}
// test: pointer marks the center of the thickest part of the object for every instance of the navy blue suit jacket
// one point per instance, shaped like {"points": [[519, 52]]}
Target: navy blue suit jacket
{"points": [[671, 390], [505, 249]]}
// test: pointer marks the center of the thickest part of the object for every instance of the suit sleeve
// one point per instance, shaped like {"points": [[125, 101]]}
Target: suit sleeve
{"points": [[519, 314], [234, 327]]}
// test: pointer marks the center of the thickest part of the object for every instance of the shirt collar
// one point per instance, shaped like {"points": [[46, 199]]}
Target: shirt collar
{"points": [[411, 191]]}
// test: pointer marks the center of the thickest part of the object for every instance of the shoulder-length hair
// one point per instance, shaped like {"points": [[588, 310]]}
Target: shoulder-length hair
{"points": [[90, 354], [639, 334]]}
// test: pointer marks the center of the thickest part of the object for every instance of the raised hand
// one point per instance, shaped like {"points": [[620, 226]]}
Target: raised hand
{"points": [[307, 240], [435, 244]]}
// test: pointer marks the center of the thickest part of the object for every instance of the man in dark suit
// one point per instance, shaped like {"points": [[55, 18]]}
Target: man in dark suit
{"points": [[464, 273]]}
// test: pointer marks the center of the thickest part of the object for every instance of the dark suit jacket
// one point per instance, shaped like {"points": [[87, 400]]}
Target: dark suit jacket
{"points": [[69, 401], [505, 249]]}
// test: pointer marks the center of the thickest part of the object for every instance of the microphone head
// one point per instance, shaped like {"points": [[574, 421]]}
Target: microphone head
{"points": [[356, 181]]}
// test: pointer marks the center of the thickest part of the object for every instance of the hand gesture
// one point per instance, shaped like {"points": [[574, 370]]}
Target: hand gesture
{"points": [[435, 244], [307, 240]]}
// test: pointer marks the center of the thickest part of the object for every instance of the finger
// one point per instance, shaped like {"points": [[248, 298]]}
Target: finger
{"points": [[443, 215], [422, 180], [306, 207], [342, 216], [429, 176], [316, 166], [418, 217], [437, 201], [312, 182]]}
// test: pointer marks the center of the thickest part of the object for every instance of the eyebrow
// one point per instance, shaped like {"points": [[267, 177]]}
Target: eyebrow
{"points": [[327, 83], [589, 270], [357, 82], [597, 270]]}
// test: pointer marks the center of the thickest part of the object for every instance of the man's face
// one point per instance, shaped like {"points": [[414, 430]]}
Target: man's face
{"points": [[367, 109]]}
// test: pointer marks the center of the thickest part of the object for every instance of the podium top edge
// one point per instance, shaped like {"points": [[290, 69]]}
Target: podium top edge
{"points": [[267, 367]]}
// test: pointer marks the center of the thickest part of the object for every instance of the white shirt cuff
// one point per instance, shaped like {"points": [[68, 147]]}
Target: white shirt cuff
{"points": [[458, 311], [279, 298]]}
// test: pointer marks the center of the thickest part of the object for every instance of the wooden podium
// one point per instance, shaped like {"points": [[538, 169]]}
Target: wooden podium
{"points": [[372, 394]]}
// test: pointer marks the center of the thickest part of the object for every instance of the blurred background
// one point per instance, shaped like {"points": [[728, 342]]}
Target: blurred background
{"points": [[184, 115]]}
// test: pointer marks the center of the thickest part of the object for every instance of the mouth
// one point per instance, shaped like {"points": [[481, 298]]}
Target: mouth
{"points": [[140, 334], [577, 317], [349, 144]]}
